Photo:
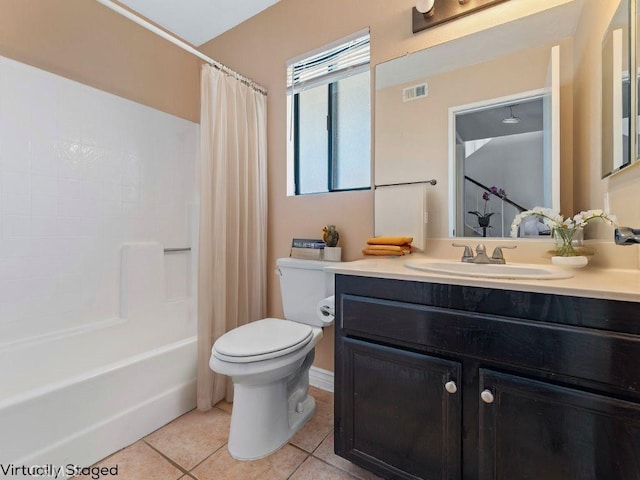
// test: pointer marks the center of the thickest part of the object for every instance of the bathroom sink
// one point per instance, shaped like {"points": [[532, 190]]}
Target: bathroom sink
{"points": [[532, 272]]}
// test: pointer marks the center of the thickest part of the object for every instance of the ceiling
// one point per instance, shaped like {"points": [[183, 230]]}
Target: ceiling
{"points": [[198, 21], [487, 122]]}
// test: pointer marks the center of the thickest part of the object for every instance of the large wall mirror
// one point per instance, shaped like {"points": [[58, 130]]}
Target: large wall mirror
{"points": [[484, 115], [616, 93], [635, 62]]}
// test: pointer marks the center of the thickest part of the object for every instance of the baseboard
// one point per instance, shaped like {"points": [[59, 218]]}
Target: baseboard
{"points": [[321, 378]]}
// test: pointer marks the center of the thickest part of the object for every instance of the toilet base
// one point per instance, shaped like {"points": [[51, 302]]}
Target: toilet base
{"points": [[269, 414]]}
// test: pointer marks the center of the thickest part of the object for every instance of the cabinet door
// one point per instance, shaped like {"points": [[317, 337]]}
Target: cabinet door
{"points": [[535, 430], [400, 412]]}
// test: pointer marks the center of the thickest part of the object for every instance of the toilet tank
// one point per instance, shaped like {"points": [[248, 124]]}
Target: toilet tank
{"points": [[303, 283]]}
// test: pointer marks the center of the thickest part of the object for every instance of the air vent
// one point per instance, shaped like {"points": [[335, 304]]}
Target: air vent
{"points": [[415, 92]]}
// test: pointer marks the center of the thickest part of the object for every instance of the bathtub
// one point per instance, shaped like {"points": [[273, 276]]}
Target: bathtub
{"points": [[78, 395]]}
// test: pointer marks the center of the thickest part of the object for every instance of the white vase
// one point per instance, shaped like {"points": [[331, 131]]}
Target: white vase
{"points": [[333, 254], [576, 261]]}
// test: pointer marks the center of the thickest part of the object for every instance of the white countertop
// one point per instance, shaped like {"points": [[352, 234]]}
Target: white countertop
{"points": [[614, 284]]}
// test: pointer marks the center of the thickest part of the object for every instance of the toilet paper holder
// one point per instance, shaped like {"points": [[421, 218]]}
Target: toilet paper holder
{"points": [[326, 310]]}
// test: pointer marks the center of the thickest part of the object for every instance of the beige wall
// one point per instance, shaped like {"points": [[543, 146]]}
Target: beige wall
{"points": [[623, 188], [259, 49], [86, 42]]}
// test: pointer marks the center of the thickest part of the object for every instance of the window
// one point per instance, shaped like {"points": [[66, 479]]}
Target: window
{"points": [[328, 94]]}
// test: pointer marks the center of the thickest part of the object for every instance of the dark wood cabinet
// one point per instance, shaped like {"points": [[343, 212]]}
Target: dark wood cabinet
{"points": [[538, 430], [391, 388], [544, 386]]}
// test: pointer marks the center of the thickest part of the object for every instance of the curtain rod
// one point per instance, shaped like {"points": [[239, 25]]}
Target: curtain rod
{"points": [[179, 43]]}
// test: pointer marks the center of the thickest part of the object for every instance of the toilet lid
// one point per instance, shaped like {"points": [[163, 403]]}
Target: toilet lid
{"points": [[266, 338]]}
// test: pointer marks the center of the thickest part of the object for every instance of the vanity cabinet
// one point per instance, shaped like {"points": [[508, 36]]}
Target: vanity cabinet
{"points": [[389, 389], [454, 382], [540, 430]]}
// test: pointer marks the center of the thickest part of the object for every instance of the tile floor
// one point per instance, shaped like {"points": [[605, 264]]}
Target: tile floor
{"points": [[193, 446]]}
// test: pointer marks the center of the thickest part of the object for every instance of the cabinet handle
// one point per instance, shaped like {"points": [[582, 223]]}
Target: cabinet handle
{"points": [[451, 387], [487, 396]]}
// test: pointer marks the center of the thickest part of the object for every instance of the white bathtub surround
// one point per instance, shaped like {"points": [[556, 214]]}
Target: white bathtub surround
{"points": [[82, 173], [142, 286], [232, 271], [88, 416]]}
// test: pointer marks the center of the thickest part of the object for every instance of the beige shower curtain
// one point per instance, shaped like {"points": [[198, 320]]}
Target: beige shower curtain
{"points": [[233, 218]]}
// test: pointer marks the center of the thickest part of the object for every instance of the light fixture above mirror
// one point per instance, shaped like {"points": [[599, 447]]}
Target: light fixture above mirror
{"points": [[425, 6], [429, 13]]}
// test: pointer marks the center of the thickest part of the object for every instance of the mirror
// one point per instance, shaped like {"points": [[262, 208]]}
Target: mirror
{"points": [[616, 93], [502, 162], [483, 97], [635, 98]]}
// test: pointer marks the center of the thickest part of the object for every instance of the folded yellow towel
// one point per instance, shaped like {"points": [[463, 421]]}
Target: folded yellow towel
{"points": [[382, 252], [391, 248], [389, 240]]}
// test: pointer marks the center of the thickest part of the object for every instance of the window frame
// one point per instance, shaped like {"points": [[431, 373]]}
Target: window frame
{"points": [[294, 161], [332, 154]]}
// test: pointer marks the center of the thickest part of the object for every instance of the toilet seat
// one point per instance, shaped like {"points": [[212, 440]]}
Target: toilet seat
{"points": [[262, 340]]}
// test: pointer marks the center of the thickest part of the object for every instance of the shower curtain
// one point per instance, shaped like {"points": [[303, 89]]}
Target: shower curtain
{"points": [[233, 218]]}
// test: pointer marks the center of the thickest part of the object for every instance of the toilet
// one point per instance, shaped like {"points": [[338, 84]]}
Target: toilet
{"points": [[268, 361]]}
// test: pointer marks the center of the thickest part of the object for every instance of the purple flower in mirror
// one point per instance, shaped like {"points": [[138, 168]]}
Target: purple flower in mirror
{"points": [[484, 217]]}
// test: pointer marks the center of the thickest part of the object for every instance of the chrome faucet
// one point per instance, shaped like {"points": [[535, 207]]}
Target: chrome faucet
{"points": [[481, 254], [626, 235]]}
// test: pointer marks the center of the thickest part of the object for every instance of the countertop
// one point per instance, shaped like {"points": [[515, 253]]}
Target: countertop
{"points": [[591, 282]]}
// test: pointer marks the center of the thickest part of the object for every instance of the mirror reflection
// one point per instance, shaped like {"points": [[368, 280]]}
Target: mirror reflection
{"points": [[616, 91], [481, 115], [498, 145]]}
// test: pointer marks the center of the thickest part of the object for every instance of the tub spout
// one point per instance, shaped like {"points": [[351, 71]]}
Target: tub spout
{"points": [[626, 236]]}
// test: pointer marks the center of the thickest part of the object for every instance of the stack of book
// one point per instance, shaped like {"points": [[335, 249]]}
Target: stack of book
{"points": [[307, 248]]}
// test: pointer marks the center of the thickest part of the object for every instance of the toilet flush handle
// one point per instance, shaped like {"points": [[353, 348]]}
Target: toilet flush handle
{"points": [[277, 271]]}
